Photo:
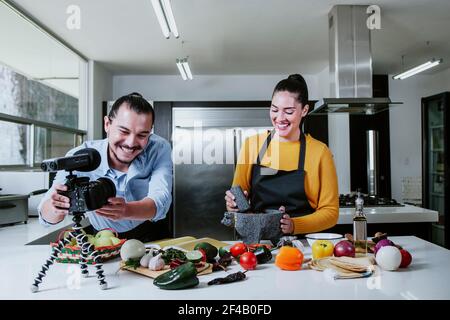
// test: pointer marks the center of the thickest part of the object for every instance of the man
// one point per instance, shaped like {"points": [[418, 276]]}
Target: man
{"points": [[140, 165]]}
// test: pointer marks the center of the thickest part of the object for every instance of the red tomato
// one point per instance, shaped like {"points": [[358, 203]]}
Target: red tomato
{"points": [[406, 258], [237, 249], [248, 261]]}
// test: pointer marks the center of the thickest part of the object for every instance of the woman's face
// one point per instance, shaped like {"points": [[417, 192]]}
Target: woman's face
{"points": [[286, 113]]}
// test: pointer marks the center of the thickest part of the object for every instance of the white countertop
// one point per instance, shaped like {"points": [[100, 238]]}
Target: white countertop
{"points": [[407, 213], [427, 278]]}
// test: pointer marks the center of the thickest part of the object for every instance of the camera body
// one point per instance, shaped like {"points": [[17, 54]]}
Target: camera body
{"points": [[87, 195], [84, 195]]}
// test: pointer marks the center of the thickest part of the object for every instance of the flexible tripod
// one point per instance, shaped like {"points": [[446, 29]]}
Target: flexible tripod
{"points": [[87, 250]]}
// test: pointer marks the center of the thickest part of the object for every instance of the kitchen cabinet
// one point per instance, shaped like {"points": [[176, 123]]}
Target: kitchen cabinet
{"points": [[435, 162]]}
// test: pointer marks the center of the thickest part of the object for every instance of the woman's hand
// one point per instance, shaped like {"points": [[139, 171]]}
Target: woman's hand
{"points": [[230, 203], [286, 224]]}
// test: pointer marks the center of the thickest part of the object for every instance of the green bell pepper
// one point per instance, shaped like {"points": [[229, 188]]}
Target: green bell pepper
{"points": [[182, 277]]}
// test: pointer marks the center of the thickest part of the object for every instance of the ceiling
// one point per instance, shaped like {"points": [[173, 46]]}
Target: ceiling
{"points": [[241, 36]]}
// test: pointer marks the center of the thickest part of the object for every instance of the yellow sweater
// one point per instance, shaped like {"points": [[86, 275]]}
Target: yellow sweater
{"points": [[321, 186]]}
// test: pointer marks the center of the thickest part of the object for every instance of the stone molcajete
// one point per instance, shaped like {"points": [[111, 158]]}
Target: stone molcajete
{"points": [[253, 227]]}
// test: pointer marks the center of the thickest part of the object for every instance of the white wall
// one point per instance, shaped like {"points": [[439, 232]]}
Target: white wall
{"points": [[204, 87], [100, 89], [405, 124]]}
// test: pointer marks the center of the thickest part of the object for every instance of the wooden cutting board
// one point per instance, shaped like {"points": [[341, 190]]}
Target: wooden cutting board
{"points": [[190, 245], [170, 242], [187, 243], [207, 269]]}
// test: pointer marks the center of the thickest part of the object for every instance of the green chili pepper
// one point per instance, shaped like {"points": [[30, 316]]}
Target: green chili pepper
{"points": [[263, 254]]}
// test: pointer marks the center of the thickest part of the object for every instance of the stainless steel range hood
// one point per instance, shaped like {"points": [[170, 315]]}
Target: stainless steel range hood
{"points": [[366, 106], [350, 64]]}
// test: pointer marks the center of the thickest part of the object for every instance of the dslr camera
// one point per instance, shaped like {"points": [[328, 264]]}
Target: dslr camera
{"points": [[84, 195]]}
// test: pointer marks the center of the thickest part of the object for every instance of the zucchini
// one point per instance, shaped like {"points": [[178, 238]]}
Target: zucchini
{"points": [[194, 256]]}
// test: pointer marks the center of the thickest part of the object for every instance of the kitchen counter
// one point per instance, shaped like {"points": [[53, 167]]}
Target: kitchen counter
{"points": [[408, 213], [427, 278]]}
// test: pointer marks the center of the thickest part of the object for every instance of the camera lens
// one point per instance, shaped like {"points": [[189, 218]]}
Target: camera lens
{"points": [[98, 193], [43, 166]]}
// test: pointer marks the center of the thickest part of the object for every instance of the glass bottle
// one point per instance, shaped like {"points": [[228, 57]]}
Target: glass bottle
{"points": [[360, 226]]}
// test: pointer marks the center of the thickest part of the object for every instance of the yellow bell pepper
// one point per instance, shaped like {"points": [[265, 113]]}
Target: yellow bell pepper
{"points": [[322, 248]]}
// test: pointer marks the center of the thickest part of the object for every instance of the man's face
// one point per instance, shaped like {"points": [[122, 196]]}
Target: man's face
{"points": [[128, 134]]}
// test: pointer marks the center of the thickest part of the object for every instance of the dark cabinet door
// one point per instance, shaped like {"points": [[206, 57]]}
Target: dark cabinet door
{"points": [[435, 163]]}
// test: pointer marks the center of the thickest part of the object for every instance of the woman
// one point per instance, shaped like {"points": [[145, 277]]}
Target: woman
{"points": [[286, 170]]}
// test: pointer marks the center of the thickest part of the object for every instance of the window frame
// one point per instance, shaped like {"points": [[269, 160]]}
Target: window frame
{"points": [[31, 139]]}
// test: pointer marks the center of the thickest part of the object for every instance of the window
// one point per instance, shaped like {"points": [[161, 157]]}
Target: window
{"points": [[40, 87]]}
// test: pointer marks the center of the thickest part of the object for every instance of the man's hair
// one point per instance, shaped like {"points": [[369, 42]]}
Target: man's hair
{"points": [[135, 102]]}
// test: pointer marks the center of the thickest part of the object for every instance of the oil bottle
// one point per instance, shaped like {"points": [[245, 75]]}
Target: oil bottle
{"points": [[360, 226]]}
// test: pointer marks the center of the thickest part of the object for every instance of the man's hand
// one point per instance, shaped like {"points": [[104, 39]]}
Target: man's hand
{"points": [[59, 203], [286, 223], [230, 203], [116, 209], [55, 209]]}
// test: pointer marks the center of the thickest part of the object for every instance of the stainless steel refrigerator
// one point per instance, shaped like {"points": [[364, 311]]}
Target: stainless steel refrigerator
{"points": [[206, 145]]}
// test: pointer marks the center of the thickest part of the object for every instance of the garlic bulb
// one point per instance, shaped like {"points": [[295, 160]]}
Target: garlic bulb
{"points": [[145, 260], [153, 252], [156, 263]]}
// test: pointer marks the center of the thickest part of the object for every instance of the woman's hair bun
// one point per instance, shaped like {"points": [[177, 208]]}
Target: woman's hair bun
{"points": [[296, 77], [136, 94], [294, 83]]}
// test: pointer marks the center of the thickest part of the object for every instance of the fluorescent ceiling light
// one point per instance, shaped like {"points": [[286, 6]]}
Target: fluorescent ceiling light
{"points": [[169, 17], [181, 69], [415, 70], [166, 20], [184, 69], [187, 69]]}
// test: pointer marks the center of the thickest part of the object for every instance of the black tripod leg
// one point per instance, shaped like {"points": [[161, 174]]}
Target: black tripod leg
{"points": [[81, 240], [98, 265], [48, 263]]}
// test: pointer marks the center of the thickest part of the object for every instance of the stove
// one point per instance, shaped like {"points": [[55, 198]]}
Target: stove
{"points": [[348, 201]]}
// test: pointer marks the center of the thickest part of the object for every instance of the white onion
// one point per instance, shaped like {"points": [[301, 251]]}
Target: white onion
{"points": [[132, 249], [389, 258]]}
